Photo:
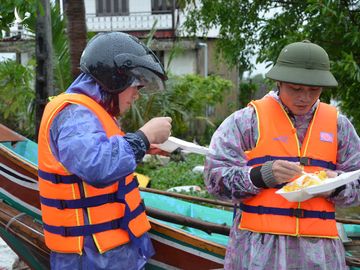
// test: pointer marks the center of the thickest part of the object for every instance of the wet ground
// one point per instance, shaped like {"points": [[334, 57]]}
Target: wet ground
{"points": [[9, 260]]}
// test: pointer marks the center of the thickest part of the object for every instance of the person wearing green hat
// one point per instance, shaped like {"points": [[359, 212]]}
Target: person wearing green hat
{"points": [[260, 148]]}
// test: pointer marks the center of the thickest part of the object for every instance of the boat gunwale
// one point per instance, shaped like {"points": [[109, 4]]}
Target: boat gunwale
{"points": [[18, 159], [157, 226]]}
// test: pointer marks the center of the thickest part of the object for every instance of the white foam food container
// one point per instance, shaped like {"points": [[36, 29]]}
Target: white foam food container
{"points": [[174, 143], [326, 185]]}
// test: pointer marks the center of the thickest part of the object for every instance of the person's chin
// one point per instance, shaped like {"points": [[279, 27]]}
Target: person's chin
{"points": [[124, 110], [301, 110]]}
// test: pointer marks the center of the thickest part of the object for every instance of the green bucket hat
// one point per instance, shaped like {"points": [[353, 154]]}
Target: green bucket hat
{"points": [[303, 63]]}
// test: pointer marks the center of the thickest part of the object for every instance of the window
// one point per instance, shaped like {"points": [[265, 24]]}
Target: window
{"points": [[161, 6], [112, 7]]}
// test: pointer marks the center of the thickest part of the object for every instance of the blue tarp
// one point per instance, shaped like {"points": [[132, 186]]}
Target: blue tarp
{"points": [[188, 209]]}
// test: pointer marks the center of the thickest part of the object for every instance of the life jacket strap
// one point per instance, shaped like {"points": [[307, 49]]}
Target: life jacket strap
{"points": [[121, 223], [90, 201], [306, 161], [292, 212], [58, 179]]}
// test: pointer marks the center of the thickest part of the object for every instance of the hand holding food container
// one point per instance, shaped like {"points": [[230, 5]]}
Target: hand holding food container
{"points": [[310, 185], [174, 143]]}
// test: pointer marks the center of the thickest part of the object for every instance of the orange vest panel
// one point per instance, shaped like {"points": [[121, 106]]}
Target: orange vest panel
{"points": [[279, 139], [103, 213]]}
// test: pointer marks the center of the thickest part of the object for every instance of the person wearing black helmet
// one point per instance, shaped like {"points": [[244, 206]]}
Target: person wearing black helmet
{"points": [[93, 217], [260, 148]]}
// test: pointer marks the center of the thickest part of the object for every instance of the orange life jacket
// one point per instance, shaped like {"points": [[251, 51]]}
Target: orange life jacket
{"points": [[268, 212], [116, 214]]}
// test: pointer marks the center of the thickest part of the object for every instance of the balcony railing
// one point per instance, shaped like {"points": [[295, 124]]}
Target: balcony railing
{"points": [[131, 22], [18, 31]]}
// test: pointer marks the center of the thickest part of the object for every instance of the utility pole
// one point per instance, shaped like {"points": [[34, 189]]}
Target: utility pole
{"points": [[44, 68]]}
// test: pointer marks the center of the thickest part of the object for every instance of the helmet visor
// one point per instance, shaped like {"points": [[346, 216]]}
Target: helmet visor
{"points": [[150, 81]]}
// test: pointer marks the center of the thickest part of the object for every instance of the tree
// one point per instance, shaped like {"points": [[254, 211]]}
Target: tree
{"points": [[60, 63], [76, 28], [44, 64], [264, 27]]}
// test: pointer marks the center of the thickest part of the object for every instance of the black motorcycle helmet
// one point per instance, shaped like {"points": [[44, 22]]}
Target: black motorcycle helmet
{"points": [[114, 60]]}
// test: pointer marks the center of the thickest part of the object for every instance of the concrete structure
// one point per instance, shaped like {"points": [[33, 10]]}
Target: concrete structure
{"points": [[17, 44]]}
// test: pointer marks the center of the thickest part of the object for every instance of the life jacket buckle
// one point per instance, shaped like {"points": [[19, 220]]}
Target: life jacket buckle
{"points": [[115, 224], [62, 205], [65, 232], [57, 179], [323, 215], [260, 209], [305, 161], [297, 212], [111, 197]]}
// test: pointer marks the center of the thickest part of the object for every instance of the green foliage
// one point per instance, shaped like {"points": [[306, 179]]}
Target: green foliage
{"points": [[61, 58], [16, 96], [17, 81], [348, 93], [175, 173], [7, 11], [263, 28], [184, 101], [247, 92]]}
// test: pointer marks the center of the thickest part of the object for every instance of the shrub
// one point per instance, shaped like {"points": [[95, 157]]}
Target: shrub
{"points": [[184, 101], [16, 96]]}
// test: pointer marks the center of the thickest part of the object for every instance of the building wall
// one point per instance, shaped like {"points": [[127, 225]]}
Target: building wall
{"points": [[140, 6], [90, 6], [184, 63], [135, 6], [140, 18], [215, 66]]}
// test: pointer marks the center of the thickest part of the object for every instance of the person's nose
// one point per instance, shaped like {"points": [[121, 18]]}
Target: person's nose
{"points": [[305, 95]]}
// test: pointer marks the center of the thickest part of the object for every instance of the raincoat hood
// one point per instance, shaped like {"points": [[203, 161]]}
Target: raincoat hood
{"points": [[85, 84]]}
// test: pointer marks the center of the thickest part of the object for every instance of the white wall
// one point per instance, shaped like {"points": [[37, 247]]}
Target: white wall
{"points": [[143, 6], [5, 56], [182, 64], [24, 58], [90, 6], [135, 6], [140, 18]]}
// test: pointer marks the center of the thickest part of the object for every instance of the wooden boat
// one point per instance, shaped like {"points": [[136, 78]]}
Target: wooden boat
{"points": [[20, 216], [178, 246]]}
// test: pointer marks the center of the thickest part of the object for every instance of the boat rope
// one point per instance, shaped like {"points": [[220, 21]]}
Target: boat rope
{"points": [[12, 220]]}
